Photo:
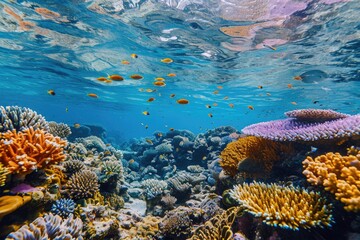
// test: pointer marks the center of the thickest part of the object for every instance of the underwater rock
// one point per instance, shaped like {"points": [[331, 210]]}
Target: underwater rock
{"points": [[136, 205]]}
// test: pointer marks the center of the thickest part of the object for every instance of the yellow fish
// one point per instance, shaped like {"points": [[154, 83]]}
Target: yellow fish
{"points": [[145, 113], [149, 141], [134, 55], [167, 60]]}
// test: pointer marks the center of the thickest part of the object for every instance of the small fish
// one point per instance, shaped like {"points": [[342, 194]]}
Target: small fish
{"points": [[231, 105], [298, 78], [293, 103], [250, 107], [260, 87], [172, 95], [220, 87], [108, 81], [271, 47], [171, 129], [51, 92], [125, 62], [167, 60], [268, 94], [215, 104], [159, 79], [146, 113], [150, 90], [171, 75], [226, 98], [131, 161], [208, 106], [289, 85], [161, 157], [146, 126], [159, 83], [108, 144], [216, 92], [182, 101], [141, 89], [159, 134], [93, 95], [101, 79], [151, 99], [210, 115], [77, 125], [315, 102], [66, 109], [204, 158], [149, 141], [136, 76], [116, 77], [134, 55]]}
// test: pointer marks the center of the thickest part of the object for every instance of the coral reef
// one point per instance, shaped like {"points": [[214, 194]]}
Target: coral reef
{"points": [[153, 188], [73, 166], [112, 168], [20, 118], [306, 129], [339, 174], [50, 227], [92, 142], [24, 152], [285, 207], [61, 130], [63, 207], [315, 115], [262, 151], [83, 184]]}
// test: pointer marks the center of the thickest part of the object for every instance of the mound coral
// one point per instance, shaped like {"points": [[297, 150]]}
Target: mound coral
{"points": [[63, 207], [153, 188], [20, 118], [24, 152], [3, 174], [254, 148], [285, 207], [83, 184], [111, 168], [339, 175], [59, 129], [73, 166], [307, 126], [50, 227]]}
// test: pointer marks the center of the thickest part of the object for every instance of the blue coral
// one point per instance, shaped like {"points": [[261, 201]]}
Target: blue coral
{"points": [[63, 207]]}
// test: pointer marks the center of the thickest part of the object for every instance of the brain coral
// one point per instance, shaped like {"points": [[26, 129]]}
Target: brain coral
{"points": [[339, 175], [254, 148], [83, 184], [59, 129], [23, 152], [20, 118], [285, 207], [307, 127]]}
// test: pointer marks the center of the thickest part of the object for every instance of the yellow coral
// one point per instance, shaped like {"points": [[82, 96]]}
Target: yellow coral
{"points": [[9, 204], [339, 175], [257, 149], [23, 152], [286, 207], [3, 174]]}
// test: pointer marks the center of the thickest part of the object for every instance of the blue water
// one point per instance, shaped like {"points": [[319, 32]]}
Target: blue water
{"points": [[89, 39]]}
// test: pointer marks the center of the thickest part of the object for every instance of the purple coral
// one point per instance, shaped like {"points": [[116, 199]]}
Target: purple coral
{"points": [[297, 129], [315, 115]]}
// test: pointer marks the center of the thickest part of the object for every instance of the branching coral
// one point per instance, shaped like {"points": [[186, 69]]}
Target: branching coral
{"points": [[63, 207], [339, 175], [3, 174], [59, 129], [83, 184], [256, 149], [20, 118], [23, 152], [218, 227], [73, 166], [112, 168], [50, 227], [285, 207]]}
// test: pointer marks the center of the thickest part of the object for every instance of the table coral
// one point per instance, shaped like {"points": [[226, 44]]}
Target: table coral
{"points": [[29, 150], [315, 114], [254, 148], [285, 207], [339, 175]]}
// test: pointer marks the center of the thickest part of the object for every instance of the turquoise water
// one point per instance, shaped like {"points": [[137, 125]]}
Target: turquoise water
{"points": [[82, 40]]}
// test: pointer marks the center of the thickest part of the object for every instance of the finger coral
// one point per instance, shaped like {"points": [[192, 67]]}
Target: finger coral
{"points": [[63, 207], [59, 129], [29, 150], [307, 126], [254, 148], [339, 175], [20, 118], [3, 174], [285, 207], [82, 185]]}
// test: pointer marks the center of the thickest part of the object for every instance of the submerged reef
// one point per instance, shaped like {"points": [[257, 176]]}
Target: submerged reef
{"points": [[179, 185]]}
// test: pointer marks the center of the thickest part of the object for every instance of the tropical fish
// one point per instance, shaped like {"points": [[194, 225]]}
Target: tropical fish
{"points": [[298, 78], [208, 106], [313, 76], [108, 81], [66, 109], [136, 76], [271, 47], [293, 103], [141, 89], [159, 134], [159, 79], [93, 95], [159, 83], [226, 98], [172, 95], [182, 101], [268, 94], [151, 99], [145, 113], [171, 129], [125, 62], [215, 104], [116, 77], [231, 105], [146, 126], [167, 60], [220, 87], [51, 92], [150, 90], [216, 92], [149, 141], [77, 125], [134, 55], [203, 158], [101, 79], [210, 115], [260, 87], [289, 85], [250, 107], [171, 75]]}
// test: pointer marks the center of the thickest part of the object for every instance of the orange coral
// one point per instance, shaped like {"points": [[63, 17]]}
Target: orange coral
{"points": [[254, 148], [23, 152], [339, 175]]}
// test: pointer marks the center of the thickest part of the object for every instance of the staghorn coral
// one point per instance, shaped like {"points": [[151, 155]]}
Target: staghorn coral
{"points": [[83, 184], [63, 207], [311, 130], [261, 150], [61, 130], [50, 227], [315, 114], [4, 172], [73, 166], [20, 118], [153, 188], [218, 227], [24, 152], [339, 174], [285, 207]]}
